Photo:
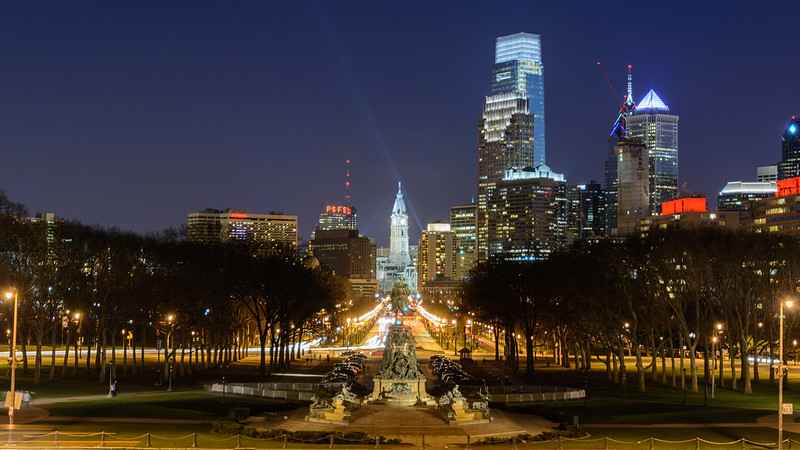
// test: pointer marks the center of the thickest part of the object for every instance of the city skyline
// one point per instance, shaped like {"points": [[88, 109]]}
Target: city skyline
{"points": [[103, 144]]}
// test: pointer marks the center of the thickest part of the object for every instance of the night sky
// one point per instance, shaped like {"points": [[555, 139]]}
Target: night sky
{"points": [[133, 116]]}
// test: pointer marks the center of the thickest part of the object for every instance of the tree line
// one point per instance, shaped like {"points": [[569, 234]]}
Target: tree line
{"points": [[661, 299], [86, 291]]}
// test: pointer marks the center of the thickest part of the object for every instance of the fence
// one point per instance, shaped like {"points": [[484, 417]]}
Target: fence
{"points": [[75, 441]]}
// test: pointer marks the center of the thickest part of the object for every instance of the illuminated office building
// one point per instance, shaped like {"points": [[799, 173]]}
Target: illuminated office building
{"points": [[654, 125], [463, 222], [211, 225], [518, 69], [740, 195], [511, 133], [437, 255], [527, 217], [338, 217], [789, 166]]}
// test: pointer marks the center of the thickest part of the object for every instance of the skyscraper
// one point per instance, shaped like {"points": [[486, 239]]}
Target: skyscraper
{"points": [[789, 166], [511, 133], [633, 195], [619, 130], [518, 69], [652, 124]]}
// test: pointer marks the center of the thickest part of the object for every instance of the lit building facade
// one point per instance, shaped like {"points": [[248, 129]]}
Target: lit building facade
{"points": [[740, 195], [437, 257], [633, 191], [398, 264], [652, 124], [588, 210], [767, 173], [213, 225], [688, 212], [338, 217], [398, 238], [789, 166], [511, 133], [780, 213], [518, 68], [463, 222], [528, 215]]}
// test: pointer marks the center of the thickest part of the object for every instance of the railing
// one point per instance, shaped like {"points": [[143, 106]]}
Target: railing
{"points": [[76, 441], [528, 393], [282, 391]]}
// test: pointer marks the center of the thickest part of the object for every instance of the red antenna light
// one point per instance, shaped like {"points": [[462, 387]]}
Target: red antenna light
{"points": [[347, 183]]}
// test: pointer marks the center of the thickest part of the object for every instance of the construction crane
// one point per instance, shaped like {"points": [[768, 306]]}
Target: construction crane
{"points": [[627, 106]]}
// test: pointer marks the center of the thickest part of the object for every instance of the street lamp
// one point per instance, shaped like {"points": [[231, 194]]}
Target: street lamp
{"points": [[12, 295], [788, 304]]}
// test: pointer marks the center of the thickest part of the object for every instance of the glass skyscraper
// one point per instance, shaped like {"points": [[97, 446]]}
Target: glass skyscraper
{"points": [[518, 69], [654, 125]]}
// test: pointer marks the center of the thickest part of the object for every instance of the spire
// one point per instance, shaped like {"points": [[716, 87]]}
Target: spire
{"points": [[629, 98], [652, 102], [399, 202]]}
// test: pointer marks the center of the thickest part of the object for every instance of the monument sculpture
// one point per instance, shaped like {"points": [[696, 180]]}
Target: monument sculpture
{"points": [[400, 380], [455, 408]]}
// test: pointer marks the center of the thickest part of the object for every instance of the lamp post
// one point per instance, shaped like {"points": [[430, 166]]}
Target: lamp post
{"points": [[9, 296], [788, 304]]}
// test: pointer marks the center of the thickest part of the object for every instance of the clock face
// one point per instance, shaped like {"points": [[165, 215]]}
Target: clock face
{"points": [[792, 129]]}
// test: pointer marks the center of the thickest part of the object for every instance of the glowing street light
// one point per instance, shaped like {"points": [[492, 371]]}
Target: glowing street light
{"points": [[788, 303], [9, 295]]}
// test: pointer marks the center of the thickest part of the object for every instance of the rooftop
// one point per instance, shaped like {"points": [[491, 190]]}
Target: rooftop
{"points": [[652, 102]]}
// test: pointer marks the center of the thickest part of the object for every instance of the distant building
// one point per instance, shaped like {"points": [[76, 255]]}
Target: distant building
{"points": [[592, 210], [398, 264], [527, 217], [213, 225], [688, 212], [633, 196], [654, 125], [789, 166], [781, 213], [344, 252], [398, 238], [767, 173], [463, 222], [338, 217], [51, 224], [740, 195], [437, 258]]}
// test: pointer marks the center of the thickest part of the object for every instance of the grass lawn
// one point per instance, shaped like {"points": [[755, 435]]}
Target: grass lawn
{"points": [[198, 405], [608, 403]]}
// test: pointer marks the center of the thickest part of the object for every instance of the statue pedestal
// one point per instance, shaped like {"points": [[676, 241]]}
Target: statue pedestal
{"points": [[461, 415], [336, 414], [401, 392]]}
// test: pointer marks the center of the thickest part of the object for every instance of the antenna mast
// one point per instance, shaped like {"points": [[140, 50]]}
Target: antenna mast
{"points": [[347, 183]]}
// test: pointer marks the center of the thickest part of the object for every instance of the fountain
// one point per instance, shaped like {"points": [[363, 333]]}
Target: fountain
{"points": [[400, 380]]}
